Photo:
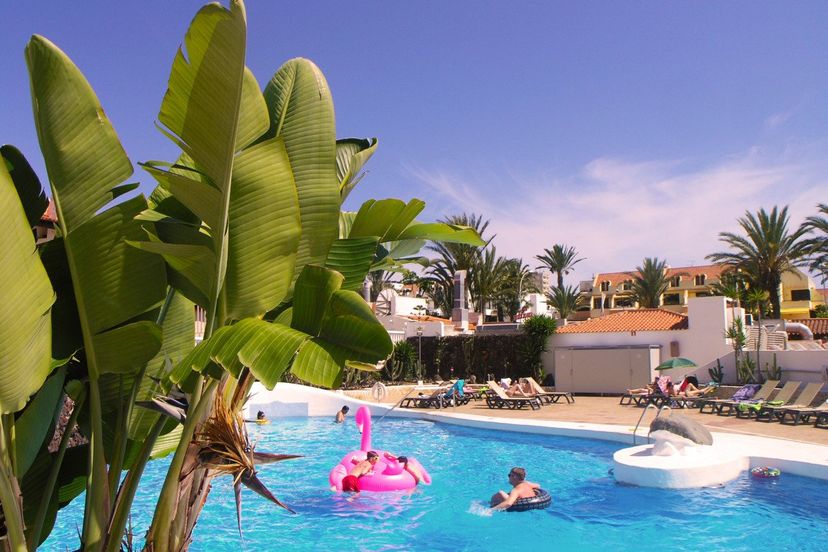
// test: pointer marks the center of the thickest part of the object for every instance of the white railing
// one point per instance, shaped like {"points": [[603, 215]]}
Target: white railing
{"points": [[396, 336]]}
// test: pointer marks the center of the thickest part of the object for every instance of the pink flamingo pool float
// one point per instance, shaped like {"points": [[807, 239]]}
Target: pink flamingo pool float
{"points": [[388, 474]]}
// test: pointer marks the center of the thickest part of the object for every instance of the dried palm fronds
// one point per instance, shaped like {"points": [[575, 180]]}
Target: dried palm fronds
{"points": [[222, 446]]}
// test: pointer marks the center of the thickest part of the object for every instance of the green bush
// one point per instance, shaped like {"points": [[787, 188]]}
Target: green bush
{"points": [[537, 330], [462, 356]]}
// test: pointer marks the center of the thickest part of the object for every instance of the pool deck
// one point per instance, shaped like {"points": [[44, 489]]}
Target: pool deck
{"points": [[606, 410]]}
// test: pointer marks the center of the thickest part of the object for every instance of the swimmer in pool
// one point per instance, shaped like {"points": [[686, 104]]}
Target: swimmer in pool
{"points": [[521, 489]]}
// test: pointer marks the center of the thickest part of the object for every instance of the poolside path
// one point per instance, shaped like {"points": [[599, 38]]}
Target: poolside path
{"points": [[606, 410]]}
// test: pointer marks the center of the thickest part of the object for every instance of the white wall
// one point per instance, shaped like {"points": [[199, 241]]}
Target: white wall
{"points": [[287, 399], [409, 327], [703, 341], [407, 305]]}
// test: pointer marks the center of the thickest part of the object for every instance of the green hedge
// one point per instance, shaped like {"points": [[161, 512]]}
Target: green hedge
{"points": [[463, 355]]}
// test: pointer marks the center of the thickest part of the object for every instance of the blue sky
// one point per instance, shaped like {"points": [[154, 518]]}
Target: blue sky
{"points": [[626, 129]]}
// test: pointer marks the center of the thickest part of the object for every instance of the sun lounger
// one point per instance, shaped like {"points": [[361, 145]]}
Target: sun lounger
{"points": [[456, 395], [435, 400], [639, 399], [794, 415], [742, 394], [496, 397], [768, 412], [550, 397], [749, 409], [821, 420]]}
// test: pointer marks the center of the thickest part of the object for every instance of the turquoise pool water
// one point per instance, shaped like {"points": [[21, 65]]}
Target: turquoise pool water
{"points": [[590, 511]]}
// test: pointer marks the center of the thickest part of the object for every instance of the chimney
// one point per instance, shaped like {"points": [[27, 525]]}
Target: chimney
{"points": [[460, 312]]}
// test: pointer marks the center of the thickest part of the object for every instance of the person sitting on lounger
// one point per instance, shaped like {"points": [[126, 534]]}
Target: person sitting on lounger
{"points": [[521, 489], [521, 388], [690, 388]]}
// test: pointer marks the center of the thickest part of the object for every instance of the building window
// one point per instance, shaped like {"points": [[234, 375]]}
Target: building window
{"points": [[800, 295], [675, 281], [672, 299], [605, 286], [624, 302], [700, 279], [596, 303], [627, 285]]}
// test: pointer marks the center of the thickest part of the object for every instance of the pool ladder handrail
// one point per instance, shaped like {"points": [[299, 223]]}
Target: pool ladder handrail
{"points": [[641, 418], [396, 405]]}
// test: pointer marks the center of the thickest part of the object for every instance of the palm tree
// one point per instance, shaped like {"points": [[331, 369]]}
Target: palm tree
{"points": [[453, 257], [379, 280], [440, 290], [560, 260], [650, 283], [517, 284], [766, 252], [462, 255], [489, 276], [757, 300], [565, 300], [818, 245]]}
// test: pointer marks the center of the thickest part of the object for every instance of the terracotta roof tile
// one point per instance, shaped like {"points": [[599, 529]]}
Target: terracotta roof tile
{"points": [[637, 320], [819, 326], [50, 215]]}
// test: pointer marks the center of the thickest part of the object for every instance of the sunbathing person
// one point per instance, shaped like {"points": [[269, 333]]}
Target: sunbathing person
{"points": [[646, 390], [521, 489], [521, 388]]}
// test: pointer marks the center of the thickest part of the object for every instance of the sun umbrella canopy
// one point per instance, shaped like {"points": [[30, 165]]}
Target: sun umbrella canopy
{"points": [[677, 362]]}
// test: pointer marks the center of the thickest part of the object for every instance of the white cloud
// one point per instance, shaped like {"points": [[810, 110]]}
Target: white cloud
{"points": [[777, 120], [616, 212]]}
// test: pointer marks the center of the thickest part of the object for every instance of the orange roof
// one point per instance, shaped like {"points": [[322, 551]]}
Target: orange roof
{"points": [[50, 215], [712, 271], [818, 326], [426, 318], [636, 320]]}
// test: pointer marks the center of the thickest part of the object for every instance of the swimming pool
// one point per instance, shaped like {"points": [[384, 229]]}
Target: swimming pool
{"points": [[590, 511]]}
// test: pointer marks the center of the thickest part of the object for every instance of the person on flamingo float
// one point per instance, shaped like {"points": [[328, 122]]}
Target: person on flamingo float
{"points": [[521, 489], [350, 483], [415, 473]]}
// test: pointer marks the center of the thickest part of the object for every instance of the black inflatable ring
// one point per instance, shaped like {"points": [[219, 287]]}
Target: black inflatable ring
{"points": [[541, 500]]}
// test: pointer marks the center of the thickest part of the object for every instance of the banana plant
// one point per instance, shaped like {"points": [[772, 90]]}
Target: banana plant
{"points": [[385, 235], [250, 221], [25, 338], [110, 289]]}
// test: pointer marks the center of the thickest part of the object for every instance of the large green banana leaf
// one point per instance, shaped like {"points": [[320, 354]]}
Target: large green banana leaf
{"points": [[351, 156], [302, 114], [114, 285], [179, 338], [26, 296], [384, 234], [329, 327], [237, 263]]}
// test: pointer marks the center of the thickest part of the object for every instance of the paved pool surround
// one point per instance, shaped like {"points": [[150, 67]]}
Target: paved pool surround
{"points": [[740, 451]]}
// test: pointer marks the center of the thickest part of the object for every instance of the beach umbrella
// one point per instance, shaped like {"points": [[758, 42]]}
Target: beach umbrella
{"points": [[677, 362]]}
